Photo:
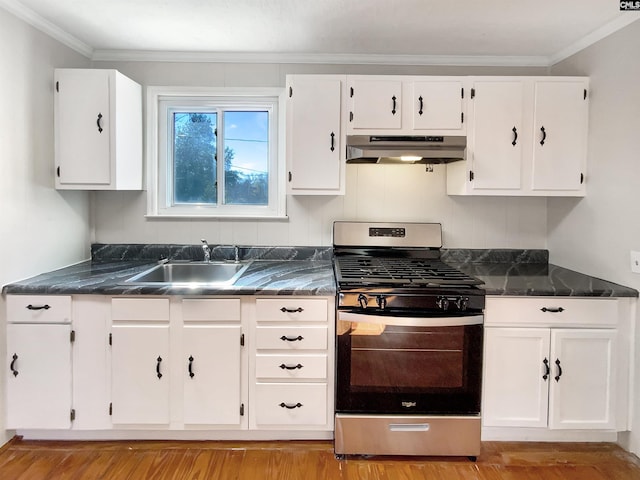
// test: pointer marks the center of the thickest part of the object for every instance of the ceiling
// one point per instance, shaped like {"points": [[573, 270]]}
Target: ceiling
{"points": [[539, 32]]}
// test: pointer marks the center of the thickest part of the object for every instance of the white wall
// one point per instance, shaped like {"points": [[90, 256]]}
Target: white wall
{"points": [[596, 234], [40, 228], [374, 192]]}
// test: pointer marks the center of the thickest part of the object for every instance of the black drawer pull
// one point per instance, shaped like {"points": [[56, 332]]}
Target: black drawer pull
{"points": [[159, 361], [291, 407], [39, 307], [557, 377], [284, 338], [291, 367], [13, 365], [552, 310], [546, 369], [190, 368], [291, 310]]}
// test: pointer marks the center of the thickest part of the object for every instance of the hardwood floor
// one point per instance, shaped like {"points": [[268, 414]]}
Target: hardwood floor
{"points": [[308, 460]]}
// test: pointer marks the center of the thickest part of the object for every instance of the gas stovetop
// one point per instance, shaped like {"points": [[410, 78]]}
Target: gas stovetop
{"points": [[393, 271]]}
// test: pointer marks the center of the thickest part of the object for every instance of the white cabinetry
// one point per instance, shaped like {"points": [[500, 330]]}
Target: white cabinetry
{"points": [[395, 105], [98, 130], [315, 135], [39, 388], [293, 365], [551, 362], [211, 362], [527, 136], [140, 361]]}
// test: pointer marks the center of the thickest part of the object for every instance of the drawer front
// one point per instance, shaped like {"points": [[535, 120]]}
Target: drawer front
{"points": [[38, 309], [291, 309], [551, 311], [291, 338], [211, 310], [140, 309], [291, 366], [290, 404]]}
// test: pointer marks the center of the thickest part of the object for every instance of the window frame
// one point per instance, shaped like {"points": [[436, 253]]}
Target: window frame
{"points": [[160, 101]]}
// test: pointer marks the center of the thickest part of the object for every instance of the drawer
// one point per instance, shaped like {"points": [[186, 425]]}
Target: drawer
{"points": [[291, 309], [290, 404], [38, 309], [309, 337], [211, 310], [551, 311], [291, 366], [140, 309]]}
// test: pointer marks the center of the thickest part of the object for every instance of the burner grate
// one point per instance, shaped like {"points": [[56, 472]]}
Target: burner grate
{"points": [[400, 271]]}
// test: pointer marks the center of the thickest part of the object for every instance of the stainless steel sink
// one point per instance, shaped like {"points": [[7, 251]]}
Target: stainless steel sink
{"points": [[191, 274]]}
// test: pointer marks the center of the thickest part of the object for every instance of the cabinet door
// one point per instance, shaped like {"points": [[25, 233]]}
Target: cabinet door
{"points": [[375, 104], [559, 135], [140, 374], [437, 105], [582, 379], [211, 372], [314, 141], [496, 134], [515, 385], [38, 376], [82, 127]]}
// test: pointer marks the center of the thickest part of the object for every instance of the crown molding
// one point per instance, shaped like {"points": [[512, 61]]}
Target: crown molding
{"points": [[619, 23], [45, 26], [318, 58]]}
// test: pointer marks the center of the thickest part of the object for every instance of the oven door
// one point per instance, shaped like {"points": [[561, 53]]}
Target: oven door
{"points": [[391, 363]]}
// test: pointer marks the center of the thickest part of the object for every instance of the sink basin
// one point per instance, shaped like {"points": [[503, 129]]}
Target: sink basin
{"points": [[191, 274]]}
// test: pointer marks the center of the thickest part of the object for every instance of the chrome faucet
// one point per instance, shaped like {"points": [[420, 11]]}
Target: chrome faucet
{"points": [[207, 250], [236, 254]]}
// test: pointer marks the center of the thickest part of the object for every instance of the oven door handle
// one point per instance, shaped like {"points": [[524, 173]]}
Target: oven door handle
{"points": [[411, 321]]}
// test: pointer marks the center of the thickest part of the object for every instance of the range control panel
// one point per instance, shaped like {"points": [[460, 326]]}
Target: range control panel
{"points": [[387, 232]]}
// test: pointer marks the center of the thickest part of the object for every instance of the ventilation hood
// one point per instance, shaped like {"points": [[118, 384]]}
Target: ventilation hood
{"points": [[405, 149]]}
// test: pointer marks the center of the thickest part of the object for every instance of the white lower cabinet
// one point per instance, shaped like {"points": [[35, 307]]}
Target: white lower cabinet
{"points": [[539, 377], [211, 371], [552, 363], [38, 376]]}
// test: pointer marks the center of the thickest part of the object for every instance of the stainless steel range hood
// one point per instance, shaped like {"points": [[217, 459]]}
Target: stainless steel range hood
{"points": [[403, 149]]}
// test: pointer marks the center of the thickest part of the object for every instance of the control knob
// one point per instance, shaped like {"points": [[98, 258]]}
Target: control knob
{"points": [[382, 302], [442, 303], [362, 300], [462, 303]]}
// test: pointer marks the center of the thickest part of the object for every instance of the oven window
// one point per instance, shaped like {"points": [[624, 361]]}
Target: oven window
{"points": [[406, 358]]}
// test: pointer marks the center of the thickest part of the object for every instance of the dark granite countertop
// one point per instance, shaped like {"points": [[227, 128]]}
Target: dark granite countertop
{"points": [[273, 271], [528, 273], [306, 271]]}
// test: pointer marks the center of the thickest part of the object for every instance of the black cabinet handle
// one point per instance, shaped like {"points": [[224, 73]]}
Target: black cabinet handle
{"points": [[98, 123], [38, 307], [544, 135], [284, 338], [292, 310], [333, 141], [291, 367], [421, 105], [289, 406], [552, 310], [13, 365], [546, 369], [190, 368], [393, 110], [557, 377], [159, 361], [515, 136]]}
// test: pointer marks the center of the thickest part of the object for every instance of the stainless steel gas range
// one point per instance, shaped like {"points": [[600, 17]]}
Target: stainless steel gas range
{"points": [[409, 344]]}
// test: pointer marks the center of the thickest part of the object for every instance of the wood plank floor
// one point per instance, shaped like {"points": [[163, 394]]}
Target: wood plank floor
{"points": [[305, 460]]}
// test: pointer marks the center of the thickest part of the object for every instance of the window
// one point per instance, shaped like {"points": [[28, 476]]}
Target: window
{"points": [[214, 153]]}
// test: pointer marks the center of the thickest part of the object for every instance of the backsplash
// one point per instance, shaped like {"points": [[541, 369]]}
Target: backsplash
{"points": [[374, 193]]}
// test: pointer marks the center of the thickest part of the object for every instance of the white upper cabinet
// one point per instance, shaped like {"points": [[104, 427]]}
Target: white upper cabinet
{"points": [[405, 105], [527, 136], [315, 135], [98, 130]]}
